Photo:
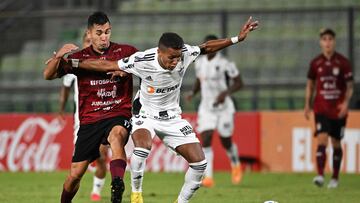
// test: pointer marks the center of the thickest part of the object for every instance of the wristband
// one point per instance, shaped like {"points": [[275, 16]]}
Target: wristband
{"points": [[235, 40], [75, 63]]}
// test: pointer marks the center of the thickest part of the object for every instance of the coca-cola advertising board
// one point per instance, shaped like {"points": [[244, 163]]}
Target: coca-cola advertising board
{"points": [[42, 142]]}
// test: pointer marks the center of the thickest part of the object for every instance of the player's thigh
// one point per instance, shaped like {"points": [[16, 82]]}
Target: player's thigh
{"points": [[192, 152], [206, 138], [87, 144], [225, 123], [176, 132], [206, 120], [322, 129], [337, 128], [143, 131], [117, 129]]}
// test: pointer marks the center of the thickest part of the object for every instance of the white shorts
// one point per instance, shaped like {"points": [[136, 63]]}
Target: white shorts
{"points": [[173, 132], [222, 120]]}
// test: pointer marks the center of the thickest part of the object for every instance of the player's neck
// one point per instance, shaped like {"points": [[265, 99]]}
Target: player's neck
{"points": [[329, 54]]}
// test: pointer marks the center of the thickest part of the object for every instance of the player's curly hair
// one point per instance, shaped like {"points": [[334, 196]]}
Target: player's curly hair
{"points": [[99, 18], [171, 40]]}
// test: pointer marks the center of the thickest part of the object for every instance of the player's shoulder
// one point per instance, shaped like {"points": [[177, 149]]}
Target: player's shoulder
{"points": [[191, 50], [317, 60], [341, 57], [117, 47], [222, 59], [146, 56], [81, 53]]}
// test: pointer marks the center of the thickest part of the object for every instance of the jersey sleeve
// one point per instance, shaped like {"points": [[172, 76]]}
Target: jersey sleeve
{"points": [[190, 53], [135, 63], [312, 72], [68, 79], [232, 70]]}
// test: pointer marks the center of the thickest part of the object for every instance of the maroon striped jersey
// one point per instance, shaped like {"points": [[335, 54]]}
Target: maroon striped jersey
{"points": [[100, 97], [330, 76]]}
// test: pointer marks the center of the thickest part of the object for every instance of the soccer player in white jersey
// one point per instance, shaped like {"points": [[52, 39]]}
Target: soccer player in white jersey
{"points": [[162, 70], [216, 111]]}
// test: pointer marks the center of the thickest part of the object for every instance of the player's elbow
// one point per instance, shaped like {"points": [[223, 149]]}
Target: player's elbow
{"points": [[47, 75]]}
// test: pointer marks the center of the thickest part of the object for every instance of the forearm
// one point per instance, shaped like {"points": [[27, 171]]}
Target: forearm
{"points": [[215, 45], [349, 91], [309, 93], [98, 65], [51, 69]]}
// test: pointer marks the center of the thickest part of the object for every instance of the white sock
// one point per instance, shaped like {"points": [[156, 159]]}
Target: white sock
{"points": [[192, 182], [233, 155], [137, 167], [98, 185], [209, 155]]}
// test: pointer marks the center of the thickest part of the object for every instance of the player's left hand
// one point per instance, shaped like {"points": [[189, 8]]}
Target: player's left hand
{"points": [[220, 98], [343, 109], [117, 73], [249, 26]]}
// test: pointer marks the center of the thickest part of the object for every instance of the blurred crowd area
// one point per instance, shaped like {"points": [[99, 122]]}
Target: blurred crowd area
{"points": [[273, 61]]}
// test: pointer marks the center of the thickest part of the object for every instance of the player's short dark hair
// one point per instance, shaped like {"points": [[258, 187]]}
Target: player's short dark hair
{"points": [[327, 31], [210, 37], [171, 40], [98, 18]]}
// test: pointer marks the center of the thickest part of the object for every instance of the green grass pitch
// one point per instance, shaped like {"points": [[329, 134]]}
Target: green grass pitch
{"points": [[164, 187]]}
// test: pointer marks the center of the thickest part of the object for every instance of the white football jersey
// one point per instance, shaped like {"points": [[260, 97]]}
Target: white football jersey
{"points": [[159, 88], [212, 76]]}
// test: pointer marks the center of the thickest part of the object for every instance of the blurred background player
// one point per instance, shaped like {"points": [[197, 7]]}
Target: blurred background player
{"points": [[216, 110], [331, 76], [100, 163], [104, 107]]}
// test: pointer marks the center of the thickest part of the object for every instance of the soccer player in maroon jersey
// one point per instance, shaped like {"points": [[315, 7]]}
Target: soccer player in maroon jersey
{"points": [[100, 167], [330, 74], [104, 106]]}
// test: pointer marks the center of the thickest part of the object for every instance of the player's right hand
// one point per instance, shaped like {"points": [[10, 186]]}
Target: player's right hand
{"points": [[67, 48], [307, 112]]}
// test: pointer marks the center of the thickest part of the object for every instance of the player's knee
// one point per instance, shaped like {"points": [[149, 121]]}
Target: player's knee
{"points": [[199, 166], [74, 178], [142, 139], [144, 143], [118, 135]]}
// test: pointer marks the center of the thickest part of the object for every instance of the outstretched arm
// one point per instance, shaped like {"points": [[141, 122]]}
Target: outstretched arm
{"points": [[97, 65], [216, 45]]}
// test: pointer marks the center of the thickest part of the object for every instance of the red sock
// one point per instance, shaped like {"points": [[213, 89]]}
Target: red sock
{"points": [[66, 196], [321, 159], [117, 168], [337, 157]]}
